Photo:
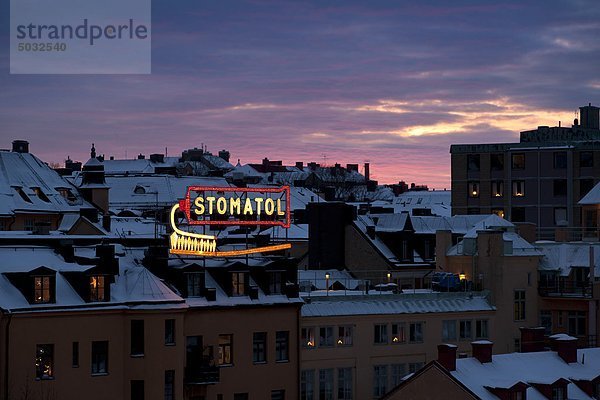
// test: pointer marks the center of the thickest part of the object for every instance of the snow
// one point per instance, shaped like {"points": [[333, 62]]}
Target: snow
{"points": [[593, 196], [437, 201], [562, 256]]}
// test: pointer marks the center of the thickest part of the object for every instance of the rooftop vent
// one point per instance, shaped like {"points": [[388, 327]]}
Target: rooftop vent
{"points": [[20, 146]]}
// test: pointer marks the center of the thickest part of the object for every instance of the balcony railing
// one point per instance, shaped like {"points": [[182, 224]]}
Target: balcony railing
{"points": [[571, 289], [202, 373]]}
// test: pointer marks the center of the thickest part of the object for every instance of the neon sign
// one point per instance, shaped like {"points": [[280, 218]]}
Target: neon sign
{"points": [[204, 205]]}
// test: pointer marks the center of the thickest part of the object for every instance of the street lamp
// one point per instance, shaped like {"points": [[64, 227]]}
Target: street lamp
{"points": [[327, 276], [389, 276]]}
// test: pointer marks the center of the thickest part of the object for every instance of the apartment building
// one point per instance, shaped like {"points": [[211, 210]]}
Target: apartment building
{"points": [[538, 180]]}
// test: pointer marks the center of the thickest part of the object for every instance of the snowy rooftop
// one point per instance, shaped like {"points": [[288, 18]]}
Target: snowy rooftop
{"points": [[593, 196], [395, 304], [437, 201], [562, 256]]}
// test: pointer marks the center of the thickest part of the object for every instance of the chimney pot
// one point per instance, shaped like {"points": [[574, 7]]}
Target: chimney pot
{"points": [[482, 350], [532, 339], [447, 356], [566, 347]]}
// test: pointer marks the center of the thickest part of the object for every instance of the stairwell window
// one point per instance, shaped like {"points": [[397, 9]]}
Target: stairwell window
{"points": [[519, 305]]}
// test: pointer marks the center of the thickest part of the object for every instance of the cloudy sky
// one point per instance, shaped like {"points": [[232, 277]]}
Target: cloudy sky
{"points": [[391, 83]]}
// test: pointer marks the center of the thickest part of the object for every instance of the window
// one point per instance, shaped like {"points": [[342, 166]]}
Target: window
{"points": [[559, 187], [481, 329], [379, 380], [41, 289], [546, 321], [278, 394], [473, 189], [137, 337], [577, 322], [560, 159], [344, 384], [518, 214], [497, 161], [518, 188], [326, 336], [195, 283], [585, 185], [75, 355], [326, 384], [498, 211], [169, 332], [345, 335], [414, 367], [518, 161], [473, 162], [519, 304], [282, 346], [307, 336], [560, 216], [466, 329], [225, 349], [41, 195], [558, 393], [381, 334], [307, 384], [44, 361], [398, 333], [259, 347], [97, 288], [275, 282], [473, 211], [137, 390], [398, 372], [586, 159], [497, 188], [416, 332], [170, 384], [100, 357], [449, 330], [238, 283], [240, 396]]}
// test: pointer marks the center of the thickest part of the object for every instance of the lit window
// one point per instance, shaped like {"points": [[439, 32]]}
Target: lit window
{"points": [[259, 347], [97, 288], [307, 336], [398, 333], [41, 195], [44, 361], [499, 212], [344, 335], [380, 333], [238, 283], [497, 188], [326, 336], [100, 357], [282, 346], [416, 332], [41, 289], [473, 189], [518, 188], [225, 349], [519, 305]]}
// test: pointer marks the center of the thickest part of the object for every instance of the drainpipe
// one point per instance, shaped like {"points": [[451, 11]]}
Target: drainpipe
{"points": [[6, 359]]}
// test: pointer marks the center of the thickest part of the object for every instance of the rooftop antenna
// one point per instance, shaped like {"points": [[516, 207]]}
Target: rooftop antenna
{"points": [[324, 159]]}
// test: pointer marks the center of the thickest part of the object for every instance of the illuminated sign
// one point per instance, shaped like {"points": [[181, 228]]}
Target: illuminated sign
{"points": [[204, 205]]}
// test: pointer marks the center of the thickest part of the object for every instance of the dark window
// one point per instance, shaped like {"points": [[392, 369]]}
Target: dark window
{"points": [[307, 384], [518, 214], [466, 329], [518, 161], [259, 347], [585, 185], [559, 393], [41, 289], [497, 188], [379, 380], [278, 394], [473, 189], [473, 162], [240, 396], [560, 187], [137, 390], [170, 384], [275, 282], [100, 357], [44, 361], [195, 283], [586, 159], [282, 346], [449, 330], [169, 331], [546, 321], [473, 211], [225, 349], [326, 336], [137, 337], [519, 305], [497, 161], [344, 384], [238, 283], [97, 292], [577, 323], [75, 355], [416, 332], [560, 216], [560, 159], [326, 384], [481, 329], [380, 334]]}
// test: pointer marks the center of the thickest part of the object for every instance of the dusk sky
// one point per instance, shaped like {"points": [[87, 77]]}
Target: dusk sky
{"points": [[391, 83]]}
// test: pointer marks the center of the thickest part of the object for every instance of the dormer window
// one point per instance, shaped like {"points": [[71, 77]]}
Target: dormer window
{"points": [[559, 393], [238, 283], [41, 195], [98, 288], [275, 282], [21, 193], [195, 283], [41, 289], [139, 190]]}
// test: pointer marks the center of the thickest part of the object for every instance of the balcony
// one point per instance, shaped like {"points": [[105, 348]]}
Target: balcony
{"points": [[204, 372], [566, 289]]}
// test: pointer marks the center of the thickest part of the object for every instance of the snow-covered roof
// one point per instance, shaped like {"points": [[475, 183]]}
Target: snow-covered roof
{"points": [[438, 201], [563, 256], [28, 185], [137, 166], [545, 367], [593, 196], [316, 278], [395, 304]]}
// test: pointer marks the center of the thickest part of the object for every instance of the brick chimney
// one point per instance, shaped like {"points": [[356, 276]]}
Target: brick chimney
{"points": [[482, 350], [566, 347], [447, 356], [367, 171], [532, 339]]}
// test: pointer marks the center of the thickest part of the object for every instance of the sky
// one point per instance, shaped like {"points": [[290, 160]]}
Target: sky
{"points": [[392, 83]]}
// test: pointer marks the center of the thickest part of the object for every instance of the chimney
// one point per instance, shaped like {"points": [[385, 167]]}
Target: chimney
{"points": [[482, 351], [141, 157], [447, 356], [532, 339], [20, 146], [443, 241], [299, 165], [367, 172], [566, 347]]}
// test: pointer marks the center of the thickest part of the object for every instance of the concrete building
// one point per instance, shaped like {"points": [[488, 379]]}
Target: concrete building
{"points": [[538, 180]]}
